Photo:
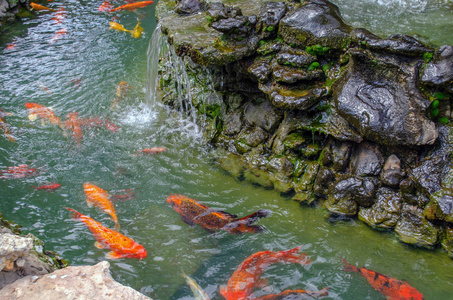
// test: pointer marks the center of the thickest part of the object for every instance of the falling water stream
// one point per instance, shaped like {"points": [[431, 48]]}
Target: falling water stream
{"points": [[79, 72]]}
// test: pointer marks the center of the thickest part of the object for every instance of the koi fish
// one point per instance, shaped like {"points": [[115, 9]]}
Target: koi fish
{"points": [[247, 276], [294, 294], [138, 30], [132, 6], [72, 123], [39, 7], [393, 288], [153, 150], [47, 187], [193, 212], [11, 46], [21, 171], [101, 199], [123, 197], [59, 15], [105, 6], [5, 126], [120, 245], [60, 33], [118, 26], [198, 292], [40, 111], [121, 91]]}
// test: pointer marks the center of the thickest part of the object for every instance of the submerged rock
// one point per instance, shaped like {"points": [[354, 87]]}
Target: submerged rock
{"points": [[385, 212], [85, 282]]}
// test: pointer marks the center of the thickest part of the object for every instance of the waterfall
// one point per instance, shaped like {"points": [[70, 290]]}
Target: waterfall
{"points": [[179, 83]]}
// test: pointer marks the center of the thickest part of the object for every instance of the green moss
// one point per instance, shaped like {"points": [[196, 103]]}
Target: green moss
{"points": [[314, 66], [427, 56], [435, 104], [439, 96], [443, 120], [269, 28]]}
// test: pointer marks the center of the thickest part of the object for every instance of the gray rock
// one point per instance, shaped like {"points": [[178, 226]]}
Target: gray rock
{"points": [[261, 68], [188, 7], [413, 228], [269, 16], [281, 165], [289, 75], [392, 174], [315, 22], [295, 58], [366, 160], [439, 71], [385, 212], [263, 115], [233, 123], [377, 95], [323, 182], [85, 282], [340, 153]]}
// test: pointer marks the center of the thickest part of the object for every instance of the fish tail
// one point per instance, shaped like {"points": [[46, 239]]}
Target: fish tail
{"points": [[117, 226], [293, 256], [348, 267], [75, 214], [248, 220]]}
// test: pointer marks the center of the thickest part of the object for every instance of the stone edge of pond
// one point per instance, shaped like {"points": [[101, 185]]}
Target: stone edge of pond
{"points": [[13, 10], [292, 79], [29, 271]]}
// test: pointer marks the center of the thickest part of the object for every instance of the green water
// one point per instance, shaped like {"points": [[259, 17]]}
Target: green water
{"points": [[99, 58]]}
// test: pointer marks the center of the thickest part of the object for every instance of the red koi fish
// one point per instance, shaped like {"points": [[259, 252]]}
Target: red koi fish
{"points": [[40, 111], [21, 171], [153, 150], [60, 33], [72, 123], [120, 245], [123, 197], [393, 288], [132, 6], [39, 7], [295, 294], [247, 276], [193, 212], [105, 6], [76, 124], [59, 16], [101, 199], [11, 46], [47, 187]]}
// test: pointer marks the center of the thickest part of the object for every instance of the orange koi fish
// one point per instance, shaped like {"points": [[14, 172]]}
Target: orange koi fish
{"points": [[153, 150], [11, 46], [40, 111], [5, 126], [59, 15], [247, 276], [47, 187], [101, 199], [118, 26], [132, 6], [120, 245], [39, 7], [72, 123], [295, 294], [121, 91], [393, 288], [20, 171], [123, 197], [60, 33], [106, 6], [193, 212]]}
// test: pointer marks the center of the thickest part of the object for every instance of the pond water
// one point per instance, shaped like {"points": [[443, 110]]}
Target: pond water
{"points": [[79, 72]]}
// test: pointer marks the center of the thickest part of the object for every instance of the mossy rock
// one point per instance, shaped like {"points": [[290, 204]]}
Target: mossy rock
{"points": [[232, 164], [259, 177]]}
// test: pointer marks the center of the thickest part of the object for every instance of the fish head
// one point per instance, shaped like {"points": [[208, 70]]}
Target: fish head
{"points": [[138, 251], [175, 202], [30, 105]]}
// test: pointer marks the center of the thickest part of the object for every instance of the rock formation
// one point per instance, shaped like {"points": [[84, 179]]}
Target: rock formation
{"points": [[309, 105]]}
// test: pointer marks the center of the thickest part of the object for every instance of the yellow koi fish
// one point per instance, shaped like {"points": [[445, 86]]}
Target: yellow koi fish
{"points": [[119, 27], [138, 29]]}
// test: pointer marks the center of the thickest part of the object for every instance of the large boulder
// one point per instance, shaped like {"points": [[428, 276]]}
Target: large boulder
{"points": [[439, 71], [84, 282], [315, 22], [378, 95]]}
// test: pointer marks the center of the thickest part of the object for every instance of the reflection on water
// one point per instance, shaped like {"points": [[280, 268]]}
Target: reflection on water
{"points": [[427, 20], [79, 72]]}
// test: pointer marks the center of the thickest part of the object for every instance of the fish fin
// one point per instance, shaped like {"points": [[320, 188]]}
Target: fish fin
{"points": [[224, 291], [348, 267], [117, 226], [89, 202], [98, 245], [113, 255], [226, 213], [187, 221], [75, 214], [32, 117]]}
